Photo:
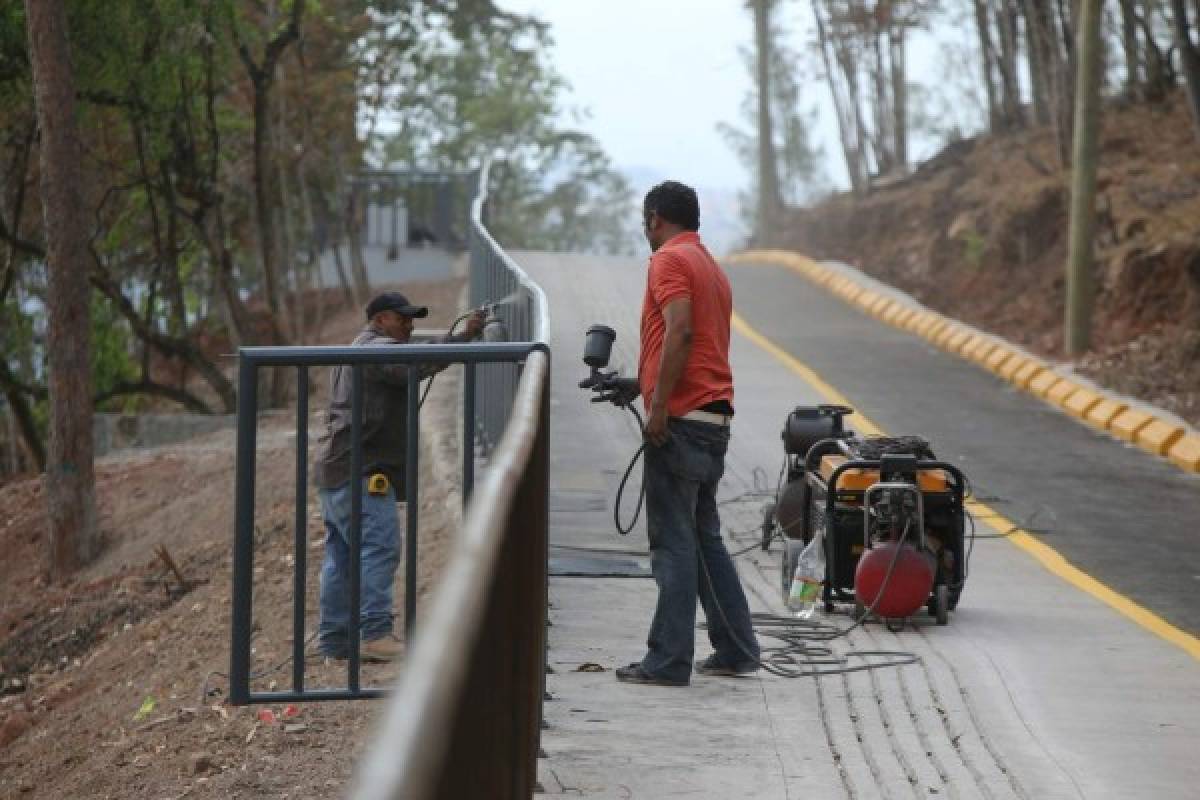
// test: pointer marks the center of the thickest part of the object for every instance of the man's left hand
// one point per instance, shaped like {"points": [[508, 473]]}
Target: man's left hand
{"points": [[475, 323], [656, 427]]}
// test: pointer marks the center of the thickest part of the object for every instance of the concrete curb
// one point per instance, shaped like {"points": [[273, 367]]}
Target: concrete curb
{"points": [[1151, 429]]}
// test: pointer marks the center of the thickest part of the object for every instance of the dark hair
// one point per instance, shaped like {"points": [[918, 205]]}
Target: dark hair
{"points": [[674, 202]]}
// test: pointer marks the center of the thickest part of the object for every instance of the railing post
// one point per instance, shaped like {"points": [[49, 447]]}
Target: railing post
{"points": [[468, 435], [411, 506], [301, 562], [243, 535], [356, 483]]}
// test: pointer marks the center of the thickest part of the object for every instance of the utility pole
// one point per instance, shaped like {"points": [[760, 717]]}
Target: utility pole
{"points": [[1080, 282], [769, 201], [69, 477]]}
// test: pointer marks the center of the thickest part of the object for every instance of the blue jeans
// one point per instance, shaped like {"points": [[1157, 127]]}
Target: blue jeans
{"points": [[380, 554], [684, 526]]}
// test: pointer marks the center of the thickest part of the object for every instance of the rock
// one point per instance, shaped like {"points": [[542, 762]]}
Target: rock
{"points": [[16, 724], [200, 763], [295, 727]]}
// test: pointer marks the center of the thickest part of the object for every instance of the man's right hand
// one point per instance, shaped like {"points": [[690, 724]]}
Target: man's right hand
{"points": [[621, 392]]}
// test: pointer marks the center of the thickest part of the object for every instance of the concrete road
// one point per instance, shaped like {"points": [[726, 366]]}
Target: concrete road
{"points": [[1036, 689]]}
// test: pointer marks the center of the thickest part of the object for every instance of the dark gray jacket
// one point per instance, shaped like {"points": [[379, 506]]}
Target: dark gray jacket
{"points": [[384, 421]]}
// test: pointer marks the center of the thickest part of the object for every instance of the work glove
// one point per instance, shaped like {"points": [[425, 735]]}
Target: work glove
{"points": [[621, 392]]}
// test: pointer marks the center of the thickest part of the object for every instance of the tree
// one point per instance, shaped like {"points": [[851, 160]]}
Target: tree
{"points": [[1080, 281], [1189, 55], [769, 200], [69, 479]]}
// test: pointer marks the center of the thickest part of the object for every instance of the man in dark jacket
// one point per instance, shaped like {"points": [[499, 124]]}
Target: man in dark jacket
{"points": [[384, 445]]}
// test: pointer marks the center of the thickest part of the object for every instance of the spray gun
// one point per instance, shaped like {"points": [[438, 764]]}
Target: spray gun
{"points": [[609, 387]]}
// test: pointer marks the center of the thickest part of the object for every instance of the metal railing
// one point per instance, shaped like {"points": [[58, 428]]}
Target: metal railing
{"points": [[465, 718], [520, 305]]}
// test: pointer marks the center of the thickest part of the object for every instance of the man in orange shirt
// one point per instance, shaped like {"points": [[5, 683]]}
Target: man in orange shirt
{"points": [[685, 378]]}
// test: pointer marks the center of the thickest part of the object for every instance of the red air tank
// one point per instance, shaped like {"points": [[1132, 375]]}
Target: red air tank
{"points": [[907, 588]]}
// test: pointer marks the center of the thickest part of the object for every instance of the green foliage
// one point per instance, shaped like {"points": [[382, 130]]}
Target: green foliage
{"points": [[974, 247], [112, 344], [487, 90]]}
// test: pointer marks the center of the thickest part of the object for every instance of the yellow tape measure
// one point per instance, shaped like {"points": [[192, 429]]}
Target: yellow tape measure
{"points": [[378, 484]]}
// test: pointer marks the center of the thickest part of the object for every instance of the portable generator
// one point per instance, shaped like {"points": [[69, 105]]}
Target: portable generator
{"points": [[892, 517]]}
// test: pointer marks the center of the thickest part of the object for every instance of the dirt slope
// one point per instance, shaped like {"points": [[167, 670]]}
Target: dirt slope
{"points": [[980, 233], [91, 654]]}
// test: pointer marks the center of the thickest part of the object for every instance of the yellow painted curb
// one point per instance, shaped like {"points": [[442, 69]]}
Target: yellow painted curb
{"points": [[1095, 408], [1186, 452], [1061, 392], [925, 324], [940, 324], [1159, 435], [998, 358], [1129, 422], [961, 346], [1044, 382], [942, 338], [1013, 366], [1027, 374], [1081, 401], [1103, 413], [980, 351], [877, 307]]}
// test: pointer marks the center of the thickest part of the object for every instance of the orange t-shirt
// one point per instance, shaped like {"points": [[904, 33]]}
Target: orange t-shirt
{"points": [[683, 267]]}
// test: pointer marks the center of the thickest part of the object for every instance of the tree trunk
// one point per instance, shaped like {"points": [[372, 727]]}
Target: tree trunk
{"points": [[21, 414], [69, 478], [1006, 25], [1129, 43], [1190, 58], [897, 62], [986, 60], [846, 133], [768, 176], [1080, 281], [1037, 67]]}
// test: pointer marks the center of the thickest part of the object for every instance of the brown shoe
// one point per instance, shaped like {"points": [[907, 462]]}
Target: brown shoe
{"points": [[381, 651]]}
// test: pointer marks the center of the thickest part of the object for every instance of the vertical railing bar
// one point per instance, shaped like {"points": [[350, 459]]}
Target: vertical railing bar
{"points": [[301, 564], [468, 435], [356, 482], [411, 506], [243, 536]]}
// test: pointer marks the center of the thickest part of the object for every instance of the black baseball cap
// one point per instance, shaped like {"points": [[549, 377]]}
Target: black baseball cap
{"points": [[394, 301]]}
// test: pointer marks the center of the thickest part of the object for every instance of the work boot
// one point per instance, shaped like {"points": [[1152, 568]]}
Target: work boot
{"points": [[714, 666], [635, 674], [382, 650]]}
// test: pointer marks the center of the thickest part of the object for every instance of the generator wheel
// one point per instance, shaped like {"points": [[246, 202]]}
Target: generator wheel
{"points": [[941, 608]]}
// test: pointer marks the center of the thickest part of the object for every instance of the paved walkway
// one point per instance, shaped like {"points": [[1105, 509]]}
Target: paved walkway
{"points": [[1034, 690]]}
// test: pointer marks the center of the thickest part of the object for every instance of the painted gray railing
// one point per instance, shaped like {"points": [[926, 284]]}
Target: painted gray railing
{"points": [[464, 720]]}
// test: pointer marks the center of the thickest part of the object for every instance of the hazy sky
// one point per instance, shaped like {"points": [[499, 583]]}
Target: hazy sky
{"points": [[658, 75]]}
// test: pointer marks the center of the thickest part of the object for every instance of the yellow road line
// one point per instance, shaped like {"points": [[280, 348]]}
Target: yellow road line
{"points": [[1045, 555]]}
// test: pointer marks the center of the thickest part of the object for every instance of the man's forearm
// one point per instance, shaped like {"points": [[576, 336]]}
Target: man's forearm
{"points": [[676, 347]]}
